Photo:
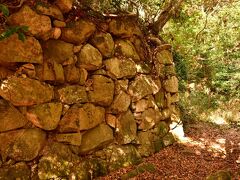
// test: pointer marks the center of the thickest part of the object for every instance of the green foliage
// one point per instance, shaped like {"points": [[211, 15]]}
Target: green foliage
{"points": [[4, 10], [206, 39], [20, 30]]}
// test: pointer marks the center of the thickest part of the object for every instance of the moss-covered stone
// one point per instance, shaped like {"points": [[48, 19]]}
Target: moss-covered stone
{"points": [[39, 25], [126, 49], [120, 103], [25, 91], [78, 32], [124, 27], [121, 156], [89, 58], [96, 138], [10, 117], [142, 86], [14, 50], [103, 90], [104, 42], [57, 50], [18, 171], [57, 162], [121, 68], [69, 138], [127, 128], [45, 116], [22, 145], [72, 94]]}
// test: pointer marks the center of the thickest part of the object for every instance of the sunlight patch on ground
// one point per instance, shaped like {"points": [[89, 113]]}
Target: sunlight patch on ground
{"points": [[215, 118], [217, 148]]}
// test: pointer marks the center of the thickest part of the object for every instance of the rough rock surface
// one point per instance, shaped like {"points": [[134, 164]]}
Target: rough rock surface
{"points": [[50, 10], [82, 118], [14, 50], [95, 138], [72, 94], [142, 85], [125, 27], [69, 138], [10, 117], [164, 57], [127, 128], [104, 43], [39, 25], [120, 103], [45, 116], [89, 58], [16, 171], [171, 84], [57, 161], [57, 50], [25, 91], [78, 32], [125, 48], [121, 67], [122, 156], [103, 90], [22, 145], [146, 147], [64, 5]]}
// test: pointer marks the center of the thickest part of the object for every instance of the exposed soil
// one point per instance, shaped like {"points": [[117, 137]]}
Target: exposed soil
{"points": [[206, 149]]}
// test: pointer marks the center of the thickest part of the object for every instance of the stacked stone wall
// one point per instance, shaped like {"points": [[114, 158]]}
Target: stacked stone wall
{"points": [[80, 99]]}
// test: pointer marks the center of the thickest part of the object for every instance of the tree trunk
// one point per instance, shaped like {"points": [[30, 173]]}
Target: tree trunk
{"points": [[165, 15]]}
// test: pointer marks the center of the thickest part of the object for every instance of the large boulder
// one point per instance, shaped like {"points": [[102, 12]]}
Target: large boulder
{"points": [[78, 32], [127, 128], [64, 5], [89, 58], [72, 74], [22, 145], [103, 90], [82, 118], [164, 57], [146, 145], [57, 161], [50, 10], [171, 84], [39, 25], [104, 42], [16, 171], [120, 103], [122, 156], [25, 91], [126, 49], [45, 116], [10, 117], [149, 118], [121, 67], [141, 86], [57, 50], [69, 138], [96, 138], [72, 94], [124, 27], [14, 50]]}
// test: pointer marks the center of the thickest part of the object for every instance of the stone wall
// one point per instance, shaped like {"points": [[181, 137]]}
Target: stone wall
{"points": [[83, 98]]}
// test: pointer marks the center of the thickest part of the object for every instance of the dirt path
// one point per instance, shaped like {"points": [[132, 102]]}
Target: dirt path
{"points": [[205, 149]]}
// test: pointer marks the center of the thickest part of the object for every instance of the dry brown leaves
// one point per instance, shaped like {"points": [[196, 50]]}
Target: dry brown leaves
{"points": [[211, 149]]}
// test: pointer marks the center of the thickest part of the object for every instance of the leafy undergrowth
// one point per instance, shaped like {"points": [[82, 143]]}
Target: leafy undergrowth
{"points": [[205, 149]]}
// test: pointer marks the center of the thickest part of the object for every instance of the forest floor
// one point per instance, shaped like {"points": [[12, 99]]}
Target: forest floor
{"points": [[205, 149]]}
